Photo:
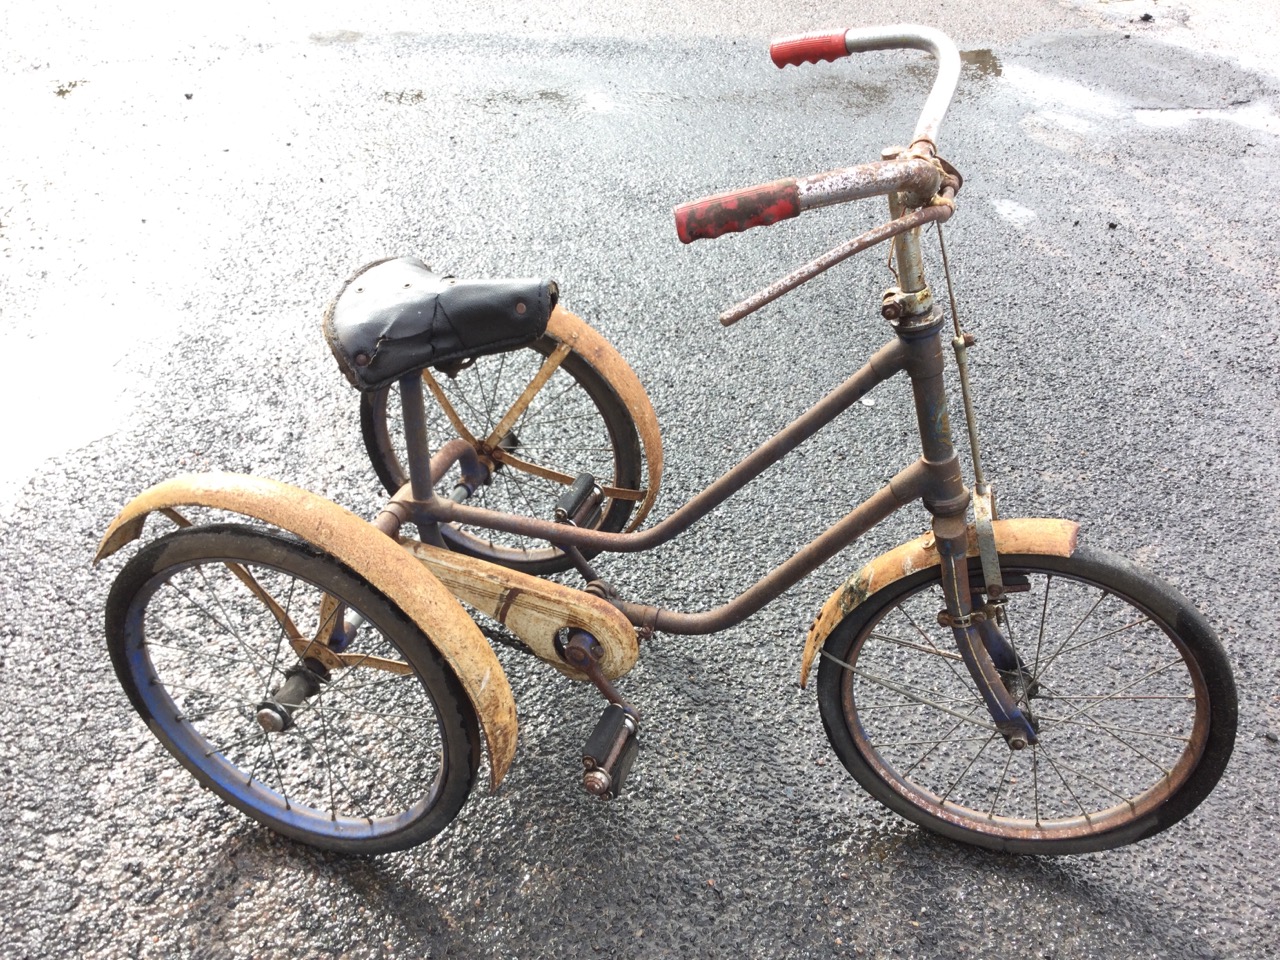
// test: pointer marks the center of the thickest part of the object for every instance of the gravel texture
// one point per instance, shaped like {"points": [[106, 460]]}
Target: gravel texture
{"points": [[174, 217]]}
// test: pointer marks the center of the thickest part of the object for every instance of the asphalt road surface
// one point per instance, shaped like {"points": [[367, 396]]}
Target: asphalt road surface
{"points": [[182, 194]]}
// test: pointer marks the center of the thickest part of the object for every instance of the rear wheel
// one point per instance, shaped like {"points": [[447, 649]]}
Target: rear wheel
{"points": [[574, 423], [292, 689], [1127, 684]]}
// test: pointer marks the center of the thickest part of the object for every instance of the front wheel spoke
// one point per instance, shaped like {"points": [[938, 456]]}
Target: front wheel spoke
{"points": [[1106, 788], [1180, 697], [966, 681], [932, 741], [1049, 760], [1080, 646], [1041, 668], [1128, 686], [868, 707], [968, 766], [1004, 776], [935, 744], [1112, 728], [1095, 724], [931, 650], [897, 688]]}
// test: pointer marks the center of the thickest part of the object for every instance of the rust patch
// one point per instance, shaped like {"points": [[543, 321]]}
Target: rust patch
{"points": [[1029, 535], [372, 555], [508, 598]]}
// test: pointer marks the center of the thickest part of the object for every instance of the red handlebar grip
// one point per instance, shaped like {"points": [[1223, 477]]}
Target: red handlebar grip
{"points": [[737, 210], [808, 48]]}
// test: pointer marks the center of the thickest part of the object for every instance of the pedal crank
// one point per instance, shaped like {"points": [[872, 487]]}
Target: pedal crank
{"points": [[611, 749]]}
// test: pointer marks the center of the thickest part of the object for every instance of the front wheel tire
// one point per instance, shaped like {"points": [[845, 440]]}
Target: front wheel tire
{"points": [[1127, 683]]}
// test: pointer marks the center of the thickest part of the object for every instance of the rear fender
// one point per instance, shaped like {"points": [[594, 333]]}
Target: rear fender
{"points": [[605, 360], [1055, 538], [372, 555]]}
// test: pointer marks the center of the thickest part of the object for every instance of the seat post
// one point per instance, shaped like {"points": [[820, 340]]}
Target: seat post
{"points": [[419, 451]]}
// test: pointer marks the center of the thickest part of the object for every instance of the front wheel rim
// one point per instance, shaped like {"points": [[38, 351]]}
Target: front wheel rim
{"points": [[1055, 794]]}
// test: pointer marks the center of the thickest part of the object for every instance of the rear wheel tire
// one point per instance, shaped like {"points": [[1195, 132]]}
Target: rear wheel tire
{"points": [[379, 758], [1130, 688]]}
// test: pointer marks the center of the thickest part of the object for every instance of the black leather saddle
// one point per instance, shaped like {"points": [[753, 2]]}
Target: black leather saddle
{"points": [[397, 316]]}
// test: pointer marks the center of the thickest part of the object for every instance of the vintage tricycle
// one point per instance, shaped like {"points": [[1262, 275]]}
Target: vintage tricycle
{"points": [[1002, 682]]}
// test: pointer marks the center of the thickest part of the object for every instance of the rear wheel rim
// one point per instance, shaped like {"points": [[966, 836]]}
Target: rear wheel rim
{"points": [[365, 758]]}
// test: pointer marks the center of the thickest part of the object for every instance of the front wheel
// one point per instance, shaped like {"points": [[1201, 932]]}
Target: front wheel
{"points": [[292, 689], [1126, 683]]}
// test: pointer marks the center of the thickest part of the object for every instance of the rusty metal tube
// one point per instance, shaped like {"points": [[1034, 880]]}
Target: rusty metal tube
{"points": [[886, 362], [915, 37], [415, 436], [908, 485], [914, 176]]}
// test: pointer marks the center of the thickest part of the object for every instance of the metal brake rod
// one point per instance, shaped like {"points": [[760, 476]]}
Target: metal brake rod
{"points": [[940, 212]]}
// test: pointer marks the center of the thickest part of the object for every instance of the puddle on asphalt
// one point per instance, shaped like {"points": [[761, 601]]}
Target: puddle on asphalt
{"points": [[1081, 109], [975, 65], [336, 36], [985, 62]]}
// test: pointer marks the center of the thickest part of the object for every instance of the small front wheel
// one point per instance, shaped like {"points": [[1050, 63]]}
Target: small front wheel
{"points": [[1126, 683], [292, 689]]}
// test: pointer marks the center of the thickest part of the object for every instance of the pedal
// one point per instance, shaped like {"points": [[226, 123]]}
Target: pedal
{"points": [[580, 504], [610, 751]]}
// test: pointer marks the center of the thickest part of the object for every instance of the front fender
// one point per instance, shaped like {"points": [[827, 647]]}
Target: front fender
{"points": [[372, 555], [1055, 538]]}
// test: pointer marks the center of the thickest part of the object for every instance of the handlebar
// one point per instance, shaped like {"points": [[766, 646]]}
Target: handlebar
{"points": [[812, 47], [762, 205]]}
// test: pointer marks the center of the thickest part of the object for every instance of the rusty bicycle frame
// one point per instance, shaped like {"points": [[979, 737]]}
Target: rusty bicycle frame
{"points": [[420, 596], [921, 189]]}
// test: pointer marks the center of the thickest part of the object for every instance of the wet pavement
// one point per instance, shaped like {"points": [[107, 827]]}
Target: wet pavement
{"points": [[178, 204]]}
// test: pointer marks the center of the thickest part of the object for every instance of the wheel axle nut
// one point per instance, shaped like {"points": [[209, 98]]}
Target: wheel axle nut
{"points": [[270, 720], [597, 782]]}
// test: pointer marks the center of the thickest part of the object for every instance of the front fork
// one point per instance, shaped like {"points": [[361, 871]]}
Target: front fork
{"points": [[986, 652]]}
